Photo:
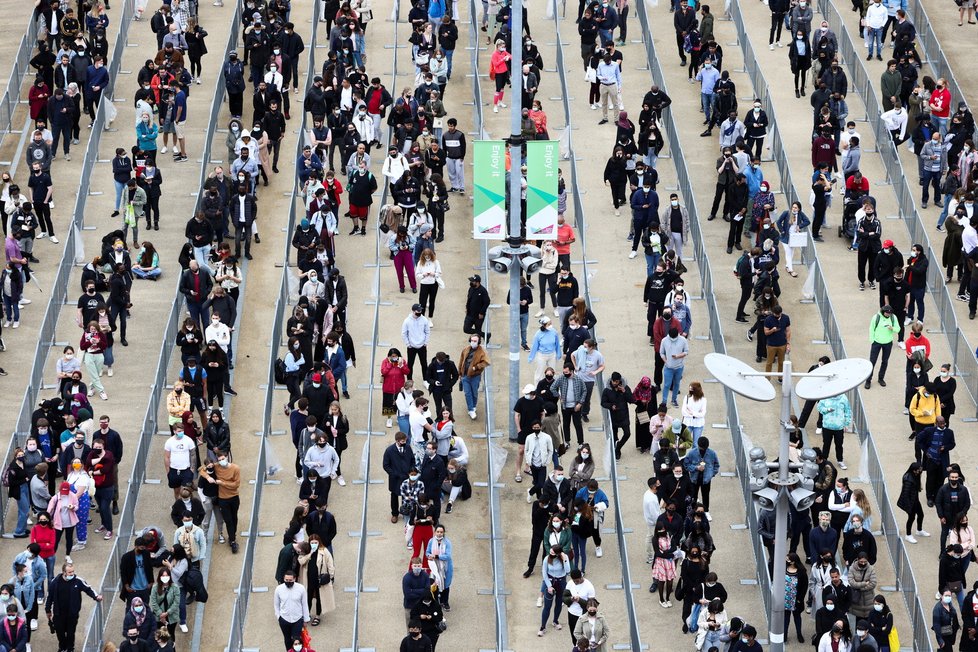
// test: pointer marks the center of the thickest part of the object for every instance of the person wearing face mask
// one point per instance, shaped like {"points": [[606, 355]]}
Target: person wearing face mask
{"points": [[473, 359], [945, 622], [950, 575], [924, 407], [880, 624], [952, 500], [862, 584], [63, 604], [318, 570], [799, 50], [14, 633], [192, 538], [934, 444], [291, 605], [138, 627]]}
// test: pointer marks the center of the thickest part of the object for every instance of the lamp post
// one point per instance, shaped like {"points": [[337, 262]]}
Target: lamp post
{"points": [[784, 487], [515, 191]]}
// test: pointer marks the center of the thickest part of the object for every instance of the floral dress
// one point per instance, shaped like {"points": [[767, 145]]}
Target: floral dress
{"points": [[664, 568]]}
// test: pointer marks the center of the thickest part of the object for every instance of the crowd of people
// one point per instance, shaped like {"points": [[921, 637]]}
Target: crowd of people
{"points": [[69, 465]]}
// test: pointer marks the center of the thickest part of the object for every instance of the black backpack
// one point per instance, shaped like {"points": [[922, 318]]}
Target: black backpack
{"points": [[280, 371]]}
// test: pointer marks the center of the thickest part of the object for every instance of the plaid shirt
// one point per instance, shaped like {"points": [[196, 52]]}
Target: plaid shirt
{"points": [[410, 491]]}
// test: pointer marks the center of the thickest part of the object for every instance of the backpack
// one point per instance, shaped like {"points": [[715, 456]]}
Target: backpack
{"points": [[691, 41], [280, 371], [7, 472]]}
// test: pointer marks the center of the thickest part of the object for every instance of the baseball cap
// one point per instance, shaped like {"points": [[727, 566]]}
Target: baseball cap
{"points": [[475, 278], [544, 320], [529, 388], [887, 244], [417, 308], [677, 426], [317, 378]]}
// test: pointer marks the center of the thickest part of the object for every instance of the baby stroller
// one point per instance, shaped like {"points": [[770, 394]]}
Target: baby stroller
{"points": [[852, 202]]}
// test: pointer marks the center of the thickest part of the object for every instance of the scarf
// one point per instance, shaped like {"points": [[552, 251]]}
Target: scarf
{"points": [[140, 617], [189, 543], [643, 391]]}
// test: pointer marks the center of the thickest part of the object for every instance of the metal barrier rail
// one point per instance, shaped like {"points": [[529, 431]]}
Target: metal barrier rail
{"points": [[239, 612], [95, 628], [18, 73], [496, 536], [628, 587], [833, 336], [962, 352], [59, 289], [738, 434]]}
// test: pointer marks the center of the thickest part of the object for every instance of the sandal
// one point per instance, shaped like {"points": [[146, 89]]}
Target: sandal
{"points": [[315, 621], [519, 477], [793, 273]]}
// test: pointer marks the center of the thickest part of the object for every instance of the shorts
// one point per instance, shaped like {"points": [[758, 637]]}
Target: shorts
{"points": [[197, 402], [168, 128], [521, 438], [175, 478], [359, 211], [181, 129]]}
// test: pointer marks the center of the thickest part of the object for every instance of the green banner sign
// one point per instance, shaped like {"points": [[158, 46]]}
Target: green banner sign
{"points": [[541, 189], [489, 208]]}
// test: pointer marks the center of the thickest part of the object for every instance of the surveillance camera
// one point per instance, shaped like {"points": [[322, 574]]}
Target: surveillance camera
{"points": [[501, 265], [530, 264], [767, 498]]}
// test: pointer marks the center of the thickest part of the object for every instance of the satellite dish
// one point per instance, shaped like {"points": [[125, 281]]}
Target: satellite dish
{"points": [[739, 377], [833, 379]]}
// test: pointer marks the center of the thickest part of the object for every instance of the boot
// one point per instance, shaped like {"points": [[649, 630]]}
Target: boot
{"points": [[156, 225]]}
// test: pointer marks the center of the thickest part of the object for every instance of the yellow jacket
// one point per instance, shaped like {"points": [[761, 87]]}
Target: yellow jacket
{"points": [[925, 409]]}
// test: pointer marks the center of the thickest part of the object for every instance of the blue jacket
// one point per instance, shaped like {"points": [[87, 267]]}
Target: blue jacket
{"points": [[754, 178], [38, 574], [414, 587], [639, 199], [692, 460], [599, 496], [802, 223], [545, 342], [446, 557], [820, 540], [336, 362], [146, 135], [893, 5], [96, 77]]}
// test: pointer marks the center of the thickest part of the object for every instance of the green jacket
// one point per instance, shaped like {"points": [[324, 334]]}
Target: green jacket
{"points": [[167, 602], [890, 84], [882, 329]]}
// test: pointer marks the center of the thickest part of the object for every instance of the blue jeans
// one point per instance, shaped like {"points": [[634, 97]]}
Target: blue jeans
{"points": [[183, 606], [650, 262], [697, 431], [651, 158], [706, 101], [11, 309], [119, 187], [916, 299], [155, 273], [524, 321], [23, 509], [448, 57], [470, 385], [579, 544], [558, 584], [198, 313], [943, 217], [202, 255], [874, 35], [404, 424], [940, 124], [671, 378], [342, 379]]}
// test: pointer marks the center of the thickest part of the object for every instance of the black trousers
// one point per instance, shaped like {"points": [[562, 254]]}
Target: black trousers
{"points": [[422, 354], [229, 512], [755, 144], [679, 47], [746, 287], [734, 235], [721, 193], [935, 477], [242, 233], [828, 435], [426, 297], [535, 543], [916, 511], [290, 631], [442, 399], [657, 374], [548, 285], [64, 628], [395, 502], [777, 23], [235, 103], [704, 489], [152, 209], [118, 312], [626, 430], [874, 351], [864, 258], [572, 415]]}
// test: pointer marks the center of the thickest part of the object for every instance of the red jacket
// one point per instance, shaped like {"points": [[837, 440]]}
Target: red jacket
{"points": [[393, 376], [44, 537], [104, 471]]}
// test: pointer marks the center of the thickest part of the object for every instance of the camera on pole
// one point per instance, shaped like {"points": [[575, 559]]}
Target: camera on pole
{"points": [[501, 258], [766, 486]]}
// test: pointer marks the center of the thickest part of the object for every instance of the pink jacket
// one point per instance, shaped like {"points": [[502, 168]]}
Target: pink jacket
{"points": [[54, 510]]}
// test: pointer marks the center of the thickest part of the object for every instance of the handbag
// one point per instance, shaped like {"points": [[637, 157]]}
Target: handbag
{"points": [[642, 416], [438, 123], [325, 579], [893, 639], [680, 267], [590, 75], [798, 239], [955, 587], [681, 590], [947, 630], [405, 508], [305, 637], [440, 282], [694, 616], [442, 625]]}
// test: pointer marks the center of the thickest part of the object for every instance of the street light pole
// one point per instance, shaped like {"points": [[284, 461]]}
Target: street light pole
{"points": [[515, 192], [830, 380]]}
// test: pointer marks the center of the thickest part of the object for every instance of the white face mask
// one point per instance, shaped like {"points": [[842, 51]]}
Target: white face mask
{"points": [[585, 455]]}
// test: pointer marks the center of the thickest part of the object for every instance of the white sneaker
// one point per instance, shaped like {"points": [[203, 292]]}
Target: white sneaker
{"points": [[770, 46], [843, 465], [183, 626], [426, 384], [472, 414], [16, 324], [110, 372], [54, 239], [923, 533], [43, 235], [633, 254], [709, 516], [539, 601], [594, 107], [24, 302], [67, 157], [390, 422], [539, 313], [103, 396], [617, 213], [341, 481], [529, 498], [33, 624], [163, 150], [902, 345], [78, 546], [91, 392], [502, 104], [68, 557], [495, 108], [197, 81], [598, 552], [818, 431], [6, 324], [556, 313], [909, 539]]}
